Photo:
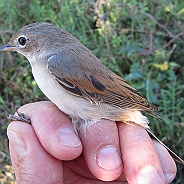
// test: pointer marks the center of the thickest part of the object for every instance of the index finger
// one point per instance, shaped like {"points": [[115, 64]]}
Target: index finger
{"points": [[53, 129]]}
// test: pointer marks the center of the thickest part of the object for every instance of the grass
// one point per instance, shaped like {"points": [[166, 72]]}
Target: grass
{"points": [[142, 41]]}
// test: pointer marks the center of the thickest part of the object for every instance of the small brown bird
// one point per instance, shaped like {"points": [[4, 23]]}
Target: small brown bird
{"points": [[74, 79]]}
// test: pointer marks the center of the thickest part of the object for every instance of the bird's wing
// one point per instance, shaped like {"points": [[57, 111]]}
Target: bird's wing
{"points": [[79, 72]]}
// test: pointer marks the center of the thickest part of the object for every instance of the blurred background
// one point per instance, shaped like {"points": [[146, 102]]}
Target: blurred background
{"points": [[142, 41]]}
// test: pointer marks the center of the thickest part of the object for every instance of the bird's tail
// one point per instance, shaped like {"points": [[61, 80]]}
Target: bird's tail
{"points": [[175, 157]]}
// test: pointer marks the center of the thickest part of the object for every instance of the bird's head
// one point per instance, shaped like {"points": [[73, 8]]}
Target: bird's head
{"points": [[39, 38]]}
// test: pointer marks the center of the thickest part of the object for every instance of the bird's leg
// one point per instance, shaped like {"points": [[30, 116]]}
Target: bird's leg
{"points": [[20, 117]]}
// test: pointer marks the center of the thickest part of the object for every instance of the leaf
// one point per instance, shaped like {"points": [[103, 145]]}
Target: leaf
{"points": [[135, 72], [130, 49], [162, 67], [174, 64], [133, 76]]}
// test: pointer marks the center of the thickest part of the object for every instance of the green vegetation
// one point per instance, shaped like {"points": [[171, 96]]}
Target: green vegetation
{"points": [[142, 41]]}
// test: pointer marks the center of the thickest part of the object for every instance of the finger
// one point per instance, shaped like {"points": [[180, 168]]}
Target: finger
{"points": [[141, 163], [167, 162], [101, 150], [32, 164], [54, 130]]}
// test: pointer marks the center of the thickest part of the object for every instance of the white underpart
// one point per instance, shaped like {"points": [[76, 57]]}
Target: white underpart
{"points": [[81, 110]]}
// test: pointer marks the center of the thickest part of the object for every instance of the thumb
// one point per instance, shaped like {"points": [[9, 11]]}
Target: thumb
{"points": [[32, 164]]}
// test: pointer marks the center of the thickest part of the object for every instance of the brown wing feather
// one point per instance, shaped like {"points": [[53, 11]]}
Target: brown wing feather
{"points": [[90, 79]]}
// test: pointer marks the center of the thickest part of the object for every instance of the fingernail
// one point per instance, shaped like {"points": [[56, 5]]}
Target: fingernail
{"points": [[149, 174], [109, 158], [18, 143], [169, 177], [68, 137]]}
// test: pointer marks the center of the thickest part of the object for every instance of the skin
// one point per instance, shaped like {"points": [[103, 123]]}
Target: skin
{"points": [[40, 154]]}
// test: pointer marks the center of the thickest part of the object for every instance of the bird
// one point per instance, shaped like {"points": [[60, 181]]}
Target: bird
{"points": [[76, 81]]}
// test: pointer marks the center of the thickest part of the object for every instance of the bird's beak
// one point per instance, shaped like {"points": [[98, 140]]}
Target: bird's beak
{"points": [[6, 47]]}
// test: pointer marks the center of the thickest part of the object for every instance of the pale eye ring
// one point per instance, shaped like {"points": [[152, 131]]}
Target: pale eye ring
{"points": [[22, 40]]}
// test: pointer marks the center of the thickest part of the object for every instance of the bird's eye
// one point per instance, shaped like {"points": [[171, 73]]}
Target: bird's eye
{"points": [[22, 41]]}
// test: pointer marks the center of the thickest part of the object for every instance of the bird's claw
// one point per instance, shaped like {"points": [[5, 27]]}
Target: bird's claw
{"points": [[21, 117]]}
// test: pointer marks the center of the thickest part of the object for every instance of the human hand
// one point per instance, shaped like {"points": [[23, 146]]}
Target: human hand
{"points": [[49, 151]]}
